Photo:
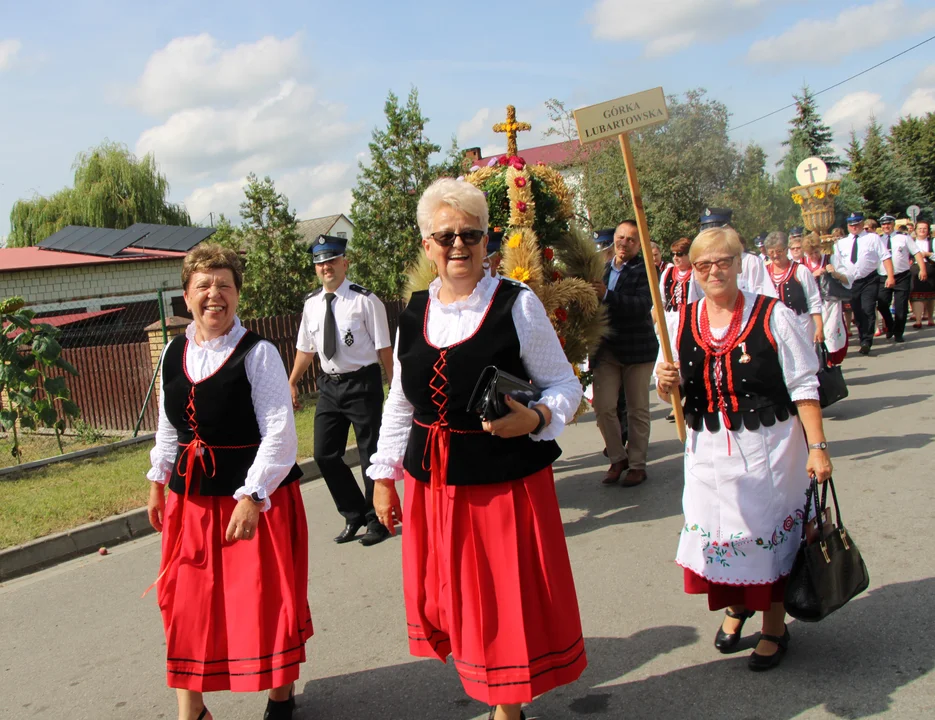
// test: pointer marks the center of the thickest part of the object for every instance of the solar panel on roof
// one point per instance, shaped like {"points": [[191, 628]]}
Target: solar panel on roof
{"points": [[103, 242], [170, 237]]}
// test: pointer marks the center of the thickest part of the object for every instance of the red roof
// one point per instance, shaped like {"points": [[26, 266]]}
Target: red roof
{"points": [[68, 319], [33, 258], [561, 153]]}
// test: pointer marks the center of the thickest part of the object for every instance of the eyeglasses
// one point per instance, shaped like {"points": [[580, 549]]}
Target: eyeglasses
{"points": [[468, 237], [682, 254], [704, 267]]}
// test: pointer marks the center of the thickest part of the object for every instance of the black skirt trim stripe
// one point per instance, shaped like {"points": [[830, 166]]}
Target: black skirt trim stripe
{"points": [[233, 674], [531, 662], [531, 677]]}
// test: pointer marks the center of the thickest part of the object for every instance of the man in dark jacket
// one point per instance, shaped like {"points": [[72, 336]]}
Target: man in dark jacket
{"points": [[625, 357]]}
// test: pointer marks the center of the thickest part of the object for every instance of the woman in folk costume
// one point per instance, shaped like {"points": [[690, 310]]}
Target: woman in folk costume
{"points": [[922, 295], [486, 573], [675, 281], [747, 372], [233, 579], [832, 308], [795, 285]]}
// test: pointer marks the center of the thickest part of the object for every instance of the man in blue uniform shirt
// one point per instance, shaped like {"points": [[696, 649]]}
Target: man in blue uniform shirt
{"points": [[346, 326]]}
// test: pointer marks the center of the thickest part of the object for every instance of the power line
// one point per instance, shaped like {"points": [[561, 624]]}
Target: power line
{"points": [[838, 84]]}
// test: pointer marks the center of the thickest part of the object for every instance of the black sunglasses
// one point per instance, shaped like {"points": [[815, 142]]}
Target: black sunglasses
{"points": [[679, 254], [468, 237]]}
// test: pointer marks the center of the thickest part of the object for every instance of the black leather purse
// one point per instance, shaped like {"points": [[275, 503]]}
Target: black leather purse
{"points": [[488, 399], [828, 571], [831, 384]]}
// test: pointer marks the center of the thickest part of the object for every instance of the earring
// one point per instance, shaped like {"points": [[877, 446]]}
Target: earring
{"points": [[486, 264]]}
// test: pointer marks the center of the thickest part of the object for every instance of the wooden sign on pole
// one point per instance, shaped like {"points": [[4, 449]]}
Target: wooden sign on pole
{"points": [[620, 117]]}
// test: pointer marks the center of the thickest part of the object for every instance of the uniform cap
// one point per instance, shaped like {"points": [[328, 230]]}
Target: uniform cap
{"points": [[887, 218], [715, 217], [854, 218], [494, 240], [328, 247], [604, 239]]}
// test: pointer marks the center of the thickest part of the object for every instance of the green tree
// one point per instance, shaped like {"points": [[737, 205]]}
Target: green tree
{"points": [[279, 270], [808, 137], [113, 189], [759, 202], [913, 141], [884, 185], [386, 235]]}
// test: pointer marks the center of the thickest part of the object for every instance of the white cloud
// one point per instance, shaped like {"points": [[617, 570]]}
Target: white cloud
{"points": [[195, 71], [853, 111], [289, 128], [887, 20], [313, 191], [926, 78], [921, 101], [9, 49], [672, 25], [474, 127]]}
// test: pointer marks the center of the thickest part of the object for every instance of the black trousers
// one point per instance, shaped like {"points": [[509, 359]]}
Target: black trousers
{"points": [[355, 399], [864, 304], [898, 297]]}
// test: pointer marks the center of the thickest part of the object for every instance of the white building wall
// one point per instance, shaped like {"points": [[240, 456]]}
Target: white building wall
{"points": [[90, 286], [343, 225]]}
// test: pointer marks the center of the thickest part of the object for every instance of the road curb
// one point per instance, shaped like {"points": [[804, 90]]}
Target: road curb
{"points": [[53, 549]]}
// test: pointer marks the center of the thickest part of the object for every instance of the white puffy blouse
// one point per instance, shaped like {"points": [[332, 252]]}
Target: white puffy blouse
{"points": [[540, 350], [272, 403]]}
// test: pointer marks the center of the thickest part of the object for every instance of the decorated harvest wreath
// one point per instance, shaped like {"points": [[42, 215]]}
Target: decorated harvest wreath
{"points": [[541, 249]]}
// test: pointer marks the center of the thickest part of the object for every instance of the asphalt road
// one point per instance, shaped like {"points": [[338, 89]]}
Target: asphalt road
{"points": [[78, 643]]}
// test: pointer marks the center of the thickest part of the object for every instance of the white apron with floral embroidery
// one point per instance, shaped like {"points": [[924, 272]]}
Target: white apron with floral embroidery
{"points": [[743, 510]]}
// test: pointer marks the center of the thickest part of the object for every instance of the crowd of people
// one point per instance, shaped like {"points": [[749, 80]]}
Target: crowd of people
{"points": [[486, 573]]}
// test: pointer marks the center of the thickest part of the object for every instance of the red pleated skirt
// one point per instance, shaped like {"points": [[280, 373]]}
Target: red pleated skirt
{"points": [[492, 586], [752, 597], [236, 615]]}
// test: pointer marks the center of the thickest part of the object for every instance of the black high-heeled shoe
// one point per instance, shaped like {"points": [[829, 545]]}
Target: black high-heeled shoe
{"points": [[725, 642], [759, 663], [280, 709], [204, 712]]}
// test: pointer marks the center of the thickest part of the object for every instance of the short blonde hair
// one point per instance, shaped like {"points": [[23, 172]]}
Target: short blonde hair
{"points": [[717, 237], [811, 242], [212, 257], [456, 194]]}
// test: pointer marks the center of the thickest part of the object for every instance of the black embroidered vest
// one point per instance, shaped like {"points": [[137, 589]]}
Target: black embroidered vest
{"points": [[438, 382], [755, 391], [672, 300], [215, 420], [792, 293]]}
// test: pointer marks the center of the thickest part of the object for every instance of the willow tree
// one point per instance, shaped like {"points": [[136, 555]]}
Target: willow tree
{"points": [[113, 189]]}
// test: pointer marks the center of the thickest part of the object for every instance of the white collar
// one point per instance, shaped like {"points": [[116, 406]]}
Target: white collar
{"points": [[478, 299], [219, 344]]}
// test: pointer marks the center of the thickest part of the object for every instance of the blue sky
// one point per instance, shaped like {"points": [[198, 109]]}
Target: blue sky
{"points": [[293, 89]]}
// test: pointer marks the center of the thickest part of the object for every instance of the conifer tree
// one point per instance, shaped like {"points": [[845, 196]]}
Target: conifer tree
{"points": [[386, 235], [885, 187], [808, 137], [279, 270]]}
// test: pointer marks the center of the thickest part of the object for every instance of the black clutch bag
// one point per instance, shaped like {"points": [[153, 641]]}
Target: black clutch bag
{"points": [[488, 399], [828, 571], [831, 385]]}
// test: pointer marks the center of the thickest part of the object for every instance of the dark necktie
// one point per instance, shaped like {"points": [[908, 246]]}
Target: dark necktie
{"points": [[854, 251], [889, 245], [330, 342]]}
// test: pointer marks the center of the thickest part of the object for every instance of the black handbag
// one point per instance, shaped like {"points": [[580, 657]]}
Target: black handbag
{"points": [[831, 384], [488, 400], [828, 571], [831, 287]]}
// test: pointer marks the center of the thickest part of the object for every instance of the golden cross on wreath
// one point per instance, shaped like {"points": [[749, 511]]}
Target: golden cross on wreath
{"points": [[511, 128]]}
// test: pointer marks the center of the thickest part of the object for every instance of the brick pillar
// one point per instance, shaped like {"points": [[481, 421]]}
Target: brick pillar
{"points": [[174, 326]]}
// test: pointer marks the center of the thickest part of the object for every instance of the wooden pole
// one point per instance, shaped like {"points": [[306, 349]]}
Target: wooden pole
{"points": [[658, 305]]}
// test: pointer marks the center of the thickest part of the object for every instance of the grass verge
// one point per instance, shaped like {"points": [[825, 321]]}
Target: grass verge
{"points": [[68, 494]]}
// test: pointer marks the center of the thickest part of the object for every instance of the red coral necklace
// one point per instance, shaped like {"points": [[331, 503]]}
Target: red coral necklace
{"points": [[717, 350]]}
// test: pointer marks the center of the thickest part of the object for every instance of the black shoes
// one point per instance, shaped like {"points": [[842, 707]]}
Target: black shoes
{"points": [[725, 642], [349, 532], [376, 533], [204, 713], [864, 350], [899, 339], [280, 709], [760, 663]]}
